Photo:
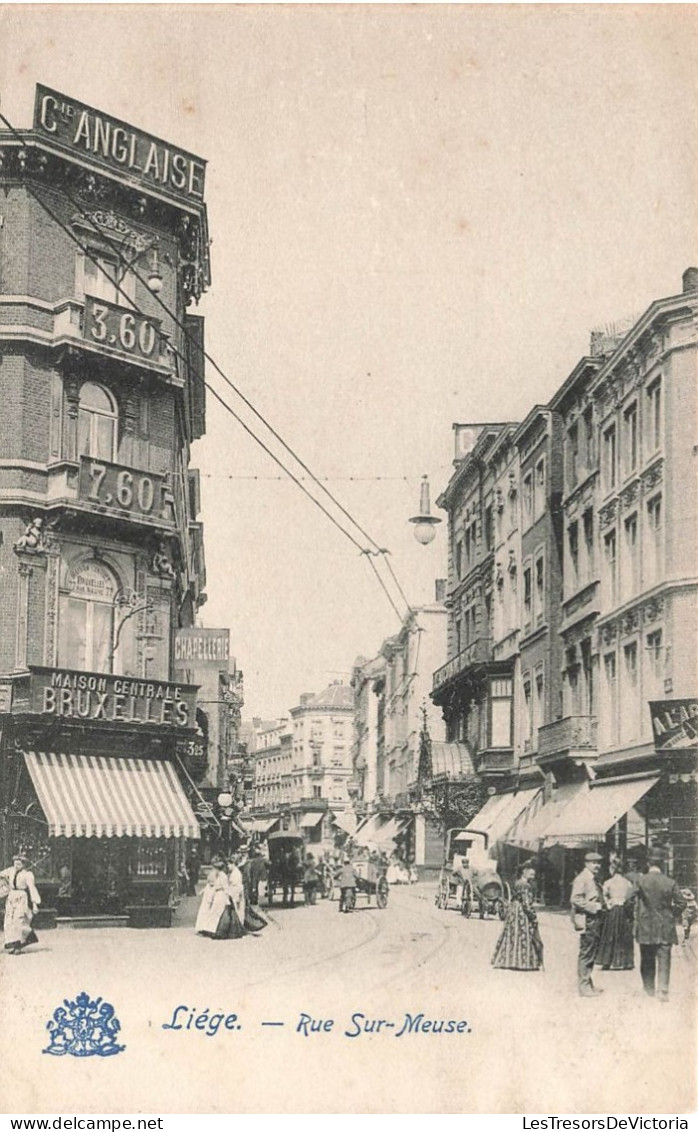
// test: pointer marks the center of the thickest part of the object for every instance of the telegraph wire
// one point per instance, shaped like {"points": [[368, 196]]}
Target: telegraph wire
{"points": [[378, 552], [182, 326]]}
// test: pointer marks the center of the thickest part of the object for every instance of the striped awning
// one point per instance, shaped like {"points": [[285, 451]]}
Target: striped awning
{"points": [[92, 796]]}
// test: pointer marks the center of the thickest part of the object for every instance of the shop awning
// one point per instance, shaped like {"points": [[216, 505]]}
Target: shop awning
{"points": [[532, 827], [258, 825], [595, 810], [92, 796], [391, 831], [367, 833], [500, 812], [345, 822], [309, 821]]}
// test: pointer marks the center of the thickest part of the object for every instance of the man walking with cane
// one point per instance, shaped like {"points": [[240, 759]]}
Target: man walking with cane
{"points": [[587, 910]]}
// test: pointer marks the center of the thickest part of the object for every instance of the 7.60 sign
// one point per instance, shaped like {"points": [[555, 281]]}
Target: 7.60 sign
{"points": [[125, 489], [120, 329]]}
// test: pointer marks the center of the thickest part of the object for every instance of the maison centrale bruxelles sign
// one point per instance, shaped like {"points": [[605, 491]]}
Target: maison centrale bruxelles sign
{"points": [[65, 694], [122, 148], [675, 724]]}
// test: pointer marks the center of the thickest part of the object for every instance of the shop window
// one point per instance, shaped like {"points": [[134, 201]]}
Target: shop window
{"points": [[151, 859], [86, 628], [97, 423]]}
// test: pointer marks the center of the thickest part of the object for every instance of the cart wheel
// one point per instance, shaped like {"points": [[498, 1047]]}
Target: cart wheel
{"points": [[501, 910], [382, 893], [467, 903]]}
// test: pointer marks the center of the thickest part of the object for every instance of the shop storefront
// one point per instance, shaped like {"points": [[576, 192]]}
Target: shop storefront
{"points": [[95, 792]]}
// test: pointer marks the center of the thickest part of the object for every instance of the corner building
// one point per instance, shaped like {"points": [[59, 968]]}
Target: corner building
{"points": [[100, 547]]}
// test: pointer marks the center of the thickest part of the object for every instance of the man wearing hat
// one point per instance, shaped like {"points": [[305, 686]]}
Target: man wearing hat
{"points": [[587, 910], [659, 903]]}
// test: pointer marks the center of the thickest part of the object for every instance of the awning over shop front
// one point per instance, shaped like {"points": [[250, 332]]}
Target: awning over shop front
{"points": [[389, 832], [92, 796], [367, 833], [309, 821], [534, 825], [345, 822], [595, 810], [258, 825], [500, 812]]}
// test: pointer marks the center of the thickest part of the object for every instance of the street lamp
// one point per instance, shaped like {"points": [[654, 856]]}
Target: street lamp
{"points": [[424, 522]]}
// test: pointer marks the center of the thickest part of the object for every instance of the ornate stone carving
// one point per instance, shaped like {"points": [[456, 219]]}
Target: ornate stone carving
{"points": [[631, 621], [629, 494], [654, 609], [652, 477], [607, 514], [161, 563], [51, 617], [36, 538]]}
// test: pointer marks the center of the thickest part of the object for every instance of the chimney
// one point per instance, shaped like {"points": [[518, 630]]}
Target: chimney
{"points": [[690, 279], [306, 697], [440, 589]]}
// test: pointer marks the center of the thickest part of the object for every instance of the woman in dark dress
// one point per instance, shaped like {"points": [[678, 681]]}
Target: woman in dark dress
{"points": [[519, 947], [616, 947]]}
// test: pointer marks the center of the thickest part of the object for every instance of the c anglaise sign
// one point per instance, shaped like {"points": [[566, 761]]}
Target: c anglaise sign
{"points": [[66, 694], [122, 148]]}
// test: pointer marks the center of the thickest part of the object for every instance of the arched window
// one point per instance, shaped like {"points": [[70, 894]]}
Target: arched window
{"points": [[86, 638], [97, 422]]}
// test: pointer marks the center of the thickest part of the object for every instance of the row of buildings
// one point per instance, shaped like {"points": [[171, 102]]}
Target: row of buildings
{"points": [[119, 719], [547, 698]]}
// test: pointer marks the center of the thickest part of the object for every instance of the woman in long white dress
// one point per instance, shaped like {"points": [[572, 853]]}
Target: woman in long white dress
{"points": [[22, 899], [215, 902]]}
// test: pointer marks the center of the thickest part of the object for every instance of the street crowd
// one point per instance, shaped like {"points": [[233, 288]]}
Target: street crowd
{"points": [[630, 906]]}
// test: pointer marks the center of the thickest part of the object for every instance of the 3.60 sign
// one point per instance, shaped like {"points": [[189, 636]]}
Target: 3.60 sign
{"points": [[124, 489], [119, 329]]}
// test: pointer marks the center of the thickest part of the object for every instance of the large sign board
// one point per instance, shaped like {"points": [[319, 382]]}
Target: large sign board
{"points": [[201, 648], [117, 146], [674, 724], [62, 693], [114, 328], [125, 491]]}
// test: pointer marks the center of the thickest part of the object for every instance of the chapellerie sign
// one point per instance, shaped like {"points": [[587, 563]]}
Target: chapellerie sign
{"points": [[66, 694], [121, 147]]}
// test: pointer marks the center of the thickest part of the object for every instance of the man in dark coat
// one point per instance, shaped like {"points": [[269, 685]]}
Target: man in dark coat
{"points": [[193, 868], [658, 903]]}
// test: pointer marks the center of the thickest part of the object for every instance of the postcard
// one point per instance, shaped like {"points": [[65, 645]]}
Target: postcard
{"points": [[348, 548]]}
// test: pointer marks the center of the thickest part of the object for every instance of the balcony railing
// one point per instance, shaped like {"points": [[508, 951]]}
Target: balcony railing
{"points": [[477, 652], [575, 732]]}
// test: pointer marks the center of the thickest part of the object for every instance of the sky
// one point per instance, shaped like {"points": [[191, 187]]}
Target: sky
{"points": [[418, 213]]}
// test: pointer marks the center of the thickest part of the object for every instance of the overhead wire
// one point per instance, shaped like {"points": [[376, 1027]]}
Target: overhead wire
{"points": [[104, 236]]}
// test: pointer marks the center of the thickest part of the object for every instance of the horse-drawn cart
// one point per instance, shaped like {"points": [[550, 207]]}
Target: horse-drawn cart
{"points": [[371, 881], [469, 881], [286, 855]]}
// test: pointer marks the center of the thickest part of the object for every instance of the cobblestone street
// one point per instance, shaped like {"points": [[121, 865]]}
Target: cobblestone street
{"points": [[531, 1044]]}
